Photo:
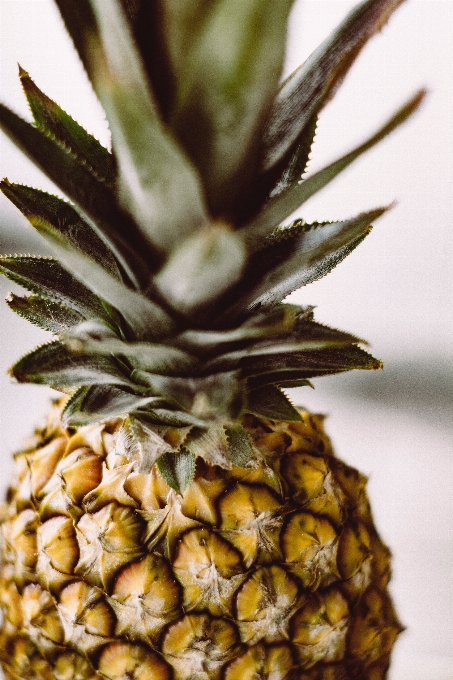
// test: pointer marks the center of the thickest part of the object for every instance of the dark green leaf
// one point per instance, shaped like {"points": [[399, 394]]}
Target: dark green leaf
{"points": [[211, 444], [294, 169], [280, 319], [178, 469], [270, 402], [311, 364], [231, 76], [164, 194], [145, 444], [94, 403], [286, 377], [145, 356], [145, 318], [93, 200], [57, 124], [307, 336], [48, 279], [47, 314], [171, 418], [285, 203], [149, 22], [210, 397], [81, 24], [52, 364], [311, 86], [299, 255], [40, 208], [239, 444]]}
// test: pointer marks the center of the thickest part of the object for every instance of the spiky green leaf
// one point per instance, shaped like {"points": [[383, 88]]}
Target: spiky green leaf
{"points": [[178, 469], [231, 76], [145, 318], [210, 397], [286, 377], [145, 356], [93, 200], [57, 124], [157, 184], [52, 364], [239, 445], [311, 364], [171, 418], [40, 208], [294, 169], [306, 336], [285, 203], [94, 403], [298, 255], [48, 279], [81, 24], [46, 314], [202, 268], [145, 445], [270, 402], [311, 86], [211, 444]]}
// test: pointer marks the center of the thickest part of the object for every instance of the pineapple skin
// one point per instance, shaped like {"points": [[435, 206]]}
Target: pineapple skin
{"points": [[274, 571]]}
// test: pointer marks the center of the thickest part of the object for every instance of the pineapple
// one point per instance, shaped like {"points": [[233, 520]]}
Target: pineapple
{"points": [[177, 516]]}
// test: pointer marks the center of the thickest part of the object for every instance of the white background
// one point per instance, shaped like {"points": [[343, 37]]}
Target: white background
{"points": [[396, 290]]}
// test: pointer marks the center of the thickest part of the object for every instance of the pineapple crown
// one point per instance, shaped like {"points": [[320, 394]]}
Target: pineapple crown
{"points": [[171, 262]]}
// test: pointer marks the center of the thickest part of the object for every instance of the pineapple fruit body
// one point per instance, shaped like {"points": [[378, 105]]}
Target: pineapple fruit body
{"points": [[272, 571]]}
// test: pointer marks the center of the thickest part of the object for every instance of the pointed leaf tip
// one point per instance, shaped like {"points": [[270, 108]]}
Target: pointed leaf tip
{"points": [[50, 118], [289, 200], [315, 82], [178, 469]]}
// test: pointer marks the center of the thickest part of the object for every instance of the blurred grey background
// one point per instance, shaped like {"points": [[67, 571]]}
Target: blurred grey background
{"points": [[396, 290]]}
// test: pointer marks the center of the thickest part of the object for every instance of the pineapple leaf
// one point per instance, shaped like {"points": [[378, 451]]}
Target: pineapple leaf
{"points": [[211, 445], [231, 77], [277, 321], [298, 160], [210, 397], [170, 418], [286, 377], [285, 203], [157, 184], [270, 402], [308, 336], [80, 23], [93, 403], [314, 83], [148, 21], [93, 200], [57, 124], [182, 24], [298, 255], [146, 445], [48, 279], [202, 268], [311, 364], [160, 359], [145, 318], [239, 445], [40, 208], [177, 469], [46, 314], [52, 364]]}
